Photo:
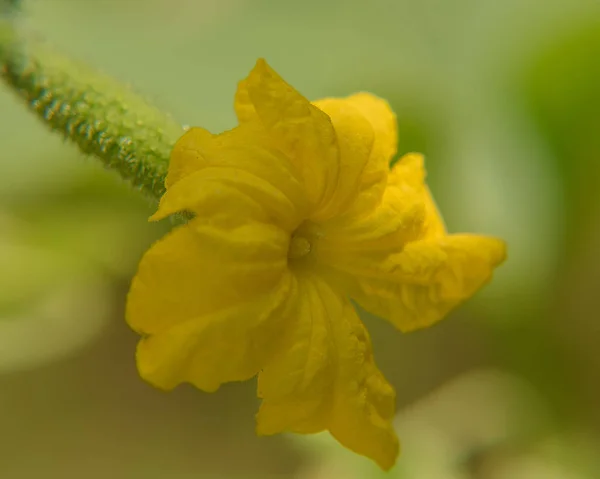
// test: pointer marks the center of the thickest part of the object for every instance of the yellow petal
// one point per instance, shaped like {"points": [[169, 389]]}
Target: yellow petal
{"points": [[234, 174], [419, 285], [398, 262], [367, 135], [383, 121], [356, 141], [402, 216], [298, 128], [348, 179], [325, 378], [210, 301], [185, 156], [204, 267], [230, 344], [242, 104], [409, 172]]}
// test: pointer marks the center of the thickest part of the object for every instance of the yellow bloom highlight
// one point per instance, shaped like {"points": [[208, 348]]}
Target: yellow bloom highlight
{"points": [[295, 212]]}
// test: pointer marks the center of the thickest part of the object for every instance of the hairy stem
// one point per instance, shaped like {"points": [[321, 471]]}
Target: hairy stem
{"points": [[100, 115]]}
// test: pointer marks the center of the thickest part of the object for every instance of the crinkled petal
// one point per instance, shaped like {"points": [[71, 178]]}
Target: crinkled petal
{"points": [[303, 132], [406, 213], [383, 121], [231, 344], [201, 268], [367, 135], [229, 175], [398, 262], [299, 129], [355, 141], [418, 286], [186, 157], [434, 223], [325, 378], [349, 179], [210, 304], [409, 174]]}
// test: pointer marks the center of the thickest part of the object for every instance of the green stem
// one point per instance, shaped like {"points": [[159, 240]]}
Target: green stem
{"points": [[101, 116]]}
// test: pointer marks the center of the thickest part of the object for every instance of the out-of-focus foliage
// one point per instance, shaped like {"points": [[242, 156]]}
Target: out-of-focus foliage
{"points": [[562, 93], [502, 97]]}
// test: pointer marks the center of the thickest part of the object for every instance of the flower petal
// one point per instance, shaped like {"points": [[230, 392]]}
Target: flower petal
{"points": [[418, 286], [383, 121], [348, 179], [230, 344], [185, 157], [210, 302], [356, 141], [409, 173], [405, 213], [242, 104], [325, 378], [219, 174], [367, 135], [398, 262], [201, 268], [302, 131]]}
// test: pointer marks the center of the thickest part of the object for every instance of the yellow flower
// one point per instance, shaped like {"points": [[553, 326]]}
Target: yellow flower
{"points": [[297, 211]]}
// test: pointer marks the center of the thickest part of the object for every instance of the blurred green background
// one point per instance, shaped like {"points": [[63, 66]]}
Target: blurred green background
{"points": [[504, 100]]}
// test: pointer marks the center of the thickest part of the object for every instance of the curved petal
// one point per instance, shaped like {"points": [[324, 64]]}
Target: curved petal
{"points": [[434, 223], [325, 378], [367, 136], [231, 344], [383, 121], [356, 141], [398, 262], [406, 213], [210, 303], [300, 130], [409, 173], [198, 269], [242, 104], [418, 286], [231, 174], [185, 158], [342, 147]]}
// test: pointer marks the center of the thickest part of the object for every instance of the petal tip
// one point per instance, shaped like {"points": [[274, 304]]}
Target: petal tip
{"points": [[501, 251], [161, 212], [149, 370], [261, 431], [261, 63], [260, 70], [155, 217], [390, 455], [388, 461], [413, 157], [495, 251]]}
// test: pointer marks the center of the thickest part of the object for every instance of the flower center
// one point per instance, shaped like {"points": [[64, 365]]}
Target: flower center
{"points": [[299, 247], [304, 244]]}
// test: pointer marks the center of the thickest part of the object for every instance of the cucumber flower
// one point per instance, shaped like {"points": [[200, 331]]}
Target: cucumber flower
{"points": [[296, 212]]}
